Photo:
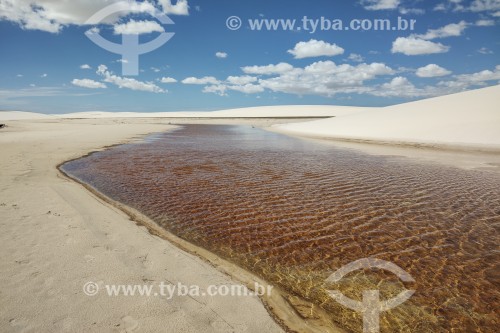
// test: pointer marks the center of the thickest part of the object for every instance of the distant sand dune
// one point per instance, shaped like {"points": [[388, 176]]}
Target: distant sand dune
{"points": [[470, 118]]}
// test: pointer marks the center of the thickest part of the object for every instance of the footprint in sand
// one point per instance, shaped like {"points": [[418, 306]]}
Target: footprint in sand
{"points": [[89, 258], [20, 323], [129, 324]]}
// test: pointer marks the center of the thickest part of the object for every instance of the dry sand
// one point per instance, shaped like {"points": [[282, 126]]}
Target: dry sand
{"points": [[280, 111], [469, 120], [55, 236]]}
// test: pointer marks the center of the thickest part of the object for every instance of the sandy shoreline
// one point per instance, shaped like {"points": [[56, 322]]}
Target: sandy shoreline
{"points": [[56, 237]]}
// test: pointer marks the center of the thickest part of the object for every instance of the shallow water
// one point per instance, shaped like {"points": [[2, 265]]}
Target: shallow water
{"points": [[295, 211]]}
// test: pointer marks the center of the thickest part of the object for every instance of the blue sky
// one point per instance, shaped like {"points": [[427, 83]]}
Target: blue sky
{"points": [[454, 47]]}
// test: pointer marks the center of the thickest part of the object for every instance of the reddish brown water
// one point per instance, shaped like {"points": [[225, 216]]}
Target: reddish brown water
{"points": [[295, 211]]}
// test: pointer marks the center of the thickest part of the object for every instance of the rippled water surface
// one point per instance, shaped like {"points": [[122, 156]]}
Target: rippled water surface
{"points": [[295, 211]]}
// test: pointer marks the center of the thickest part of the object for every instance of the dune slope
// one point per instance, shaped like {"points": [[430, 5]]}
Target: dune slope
{"points": [[470, 118]]}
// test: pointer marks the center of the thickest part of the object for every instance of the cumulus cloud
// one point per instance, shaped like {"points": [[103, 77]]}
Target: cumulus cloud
{"points": [[218, 89], [247, 88], [401, 87], [221, 55], [241, 80], [134, 27], [485, 23], [180, 8], [380, 4], [168, 80], [450, 30], [326, 78], [474, 6], [320, 78], [432, 70], [128, 83], [85, 66], [355, 57], [88, 83], [484, 5], [52, 16], [203, 80], [280, 68], [416, 46], [479, 78], [315, 48]]}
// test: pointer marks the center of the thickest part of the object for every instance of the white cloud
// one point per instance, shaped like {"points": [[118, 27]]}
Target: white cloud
{"points": [[247, 88], [221, 55], [180, 8], [241, 80], [93, 31], [280, 68], [485, 50], [484, 5], [355, 57], [432, 70], [133, 27], [85, 66], [400, 87], [414, 11], [440, 7], [19, 75], [168, 80], [416, 46], [480, 77], [326, 78], [465, 81], [44, 75], [203, 80], [128, 83], [450, 30], [485, 23], [475, 6], [52, 16], [87, 83], [315, 48], [218, 89], [381, 4]]}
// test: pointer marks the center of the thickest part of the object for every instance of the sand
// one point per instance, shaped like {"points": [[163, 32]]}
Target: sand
{"points": [[464, 120], [56, 236], [281, 111]]}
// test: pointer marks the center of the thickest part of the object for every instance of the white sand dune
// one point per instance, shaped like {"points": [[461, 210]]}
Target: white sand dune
{"points": [[469, 118], [20, 115], [281, 111]]}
